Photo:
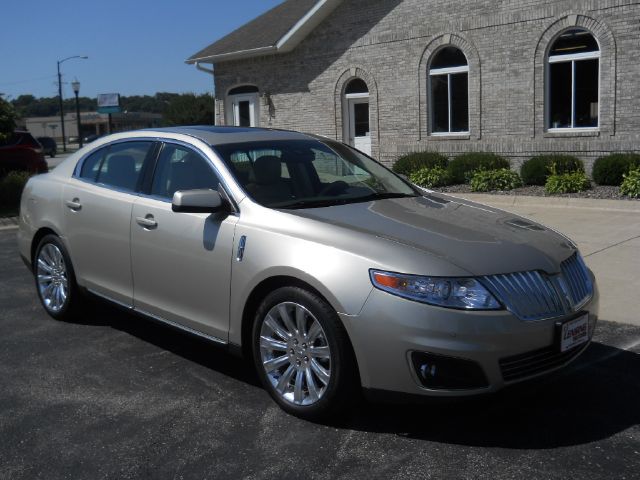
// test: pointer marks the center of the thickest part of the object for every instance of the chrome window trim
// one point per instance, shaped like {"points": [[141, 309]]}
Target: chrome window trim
{"points": [[78, 168], [80, 163]]}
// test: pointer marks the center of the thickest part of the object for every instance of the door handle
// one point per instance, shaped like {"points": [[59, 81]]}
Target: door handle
{"points": [[74, 204], [147, 222]]}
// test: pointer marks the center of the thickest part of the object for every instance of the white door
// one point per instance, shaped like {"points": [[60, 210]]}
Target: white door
{"points": [[358, 119], [244, 110]]}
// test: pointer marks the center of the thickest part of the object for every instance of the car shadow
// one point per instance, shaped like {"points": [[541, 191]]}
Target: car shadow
{"points": [[188, 346], [593, 399]]}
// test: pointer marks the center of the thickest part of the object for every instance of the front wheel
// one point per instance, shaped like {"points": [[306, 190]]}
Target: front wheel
{"points": [[302, 354], [55, 279]]}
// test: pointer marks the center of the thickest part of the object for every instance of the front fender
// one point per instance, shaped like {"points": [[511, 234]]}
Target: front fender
{"points": [[342, 278]]}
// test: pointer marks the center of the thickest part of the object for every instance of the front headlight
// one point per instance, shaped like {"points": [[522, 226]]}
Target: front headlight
{"points": [[464, 293]]}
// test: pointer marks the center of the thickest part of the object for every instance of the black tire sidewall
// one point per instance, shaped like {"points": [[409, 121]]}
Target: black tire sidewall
{"points": [[342, 379], [70, 306]]}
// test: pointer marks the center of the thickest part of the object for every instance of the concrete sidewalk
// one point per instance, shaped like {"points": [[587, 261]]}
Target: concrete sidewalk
{"points": [[608, 235]]}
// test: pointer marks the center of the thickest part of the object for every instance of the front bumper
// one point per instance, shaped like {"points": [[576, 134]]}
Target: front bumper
{"points": [[390, 329]]}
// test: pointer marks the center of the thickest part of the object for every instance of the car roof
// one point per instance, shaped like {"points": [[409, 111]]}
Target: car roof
{"points": [[220, 135]]}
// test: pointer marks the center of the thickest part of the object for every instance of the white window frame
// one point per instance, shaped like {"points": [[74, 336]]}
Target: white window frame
{"points": [[433, 72], [571, 58], [254, 107]]}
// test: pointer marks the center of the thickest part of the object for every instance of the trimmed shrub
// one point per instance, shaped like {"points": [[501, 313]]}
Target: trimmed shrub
{"points": [[609, 170], [431, 177], [11, 187], [489, 180], [536, 170], [463, 167], [412, 162], [567, 183], [631, 184]]}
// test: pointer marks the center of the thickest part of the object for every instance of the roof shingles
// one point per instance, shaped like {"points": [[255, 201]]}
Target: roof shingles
{"points": [[264, 31]]}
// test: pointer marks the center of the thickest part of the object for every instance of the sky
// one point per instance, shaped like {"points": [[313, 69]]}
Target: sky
{"points": [[135, 47]]}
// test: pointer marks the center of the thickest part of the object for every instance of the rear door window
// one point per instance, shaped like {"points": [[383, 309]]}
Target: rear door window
{"points": [[91, 165], [122, 165]]}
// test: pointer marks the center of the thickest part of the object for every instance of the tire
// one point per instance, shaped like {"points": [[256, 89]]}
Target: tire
{"points": [[312, 374], [59, 293]]}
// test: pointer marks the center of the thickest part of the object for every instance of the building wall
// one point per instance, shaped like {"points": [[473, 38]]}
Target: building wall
{"points": [[389, 43]]}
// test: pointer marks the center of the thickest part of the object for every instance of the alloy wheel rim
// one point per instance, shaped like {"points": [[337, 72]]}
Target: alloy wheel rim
{"points": [[295, 354], [53, 282]]}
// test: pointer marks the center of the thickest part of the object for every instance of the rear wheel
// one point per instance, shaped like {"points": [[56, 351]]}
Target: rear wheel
{"points": [[302, 354], [55, 279]]}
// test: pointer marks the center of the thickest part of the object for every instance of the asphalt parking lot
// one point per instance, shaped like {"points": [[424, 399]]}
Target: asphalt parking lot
{"points": [[117, 396]]}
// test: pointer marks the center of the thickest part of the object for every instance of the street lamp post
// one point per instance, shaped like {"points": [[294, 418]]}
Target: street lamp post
{"points": [[76, 89], [84, 57]]}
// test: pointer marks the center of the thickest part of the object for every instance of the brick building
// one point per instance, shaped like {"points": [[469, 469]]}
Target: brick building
{"points": [[515, 77]]}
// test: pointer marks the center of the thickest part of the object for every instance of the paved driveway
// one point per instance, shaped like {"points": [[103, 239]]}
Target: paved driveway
{"points": [[116, 396]]}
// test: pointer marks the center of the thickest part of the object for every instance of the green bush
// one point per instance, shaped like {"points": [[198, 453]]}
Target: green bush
{"points": [[431, 177], [631, 184], [610, 169], [408, 164], [567, 182], [463, 167], [11, 187], [536, 170], [489, 180]]}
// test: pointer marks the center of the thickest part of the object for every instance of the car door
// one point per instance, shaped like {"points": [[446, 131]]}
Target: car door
{"points": [[181, 262], [97, 203]]}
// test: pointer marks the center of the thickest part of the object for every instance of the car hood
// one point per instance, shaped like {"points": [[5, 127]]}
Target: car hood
{"points": [[479, 239]]}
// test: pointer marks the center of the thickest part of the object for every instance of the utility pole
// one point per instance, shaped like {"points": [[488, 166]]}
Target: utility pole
{"points": [[64, 140]]}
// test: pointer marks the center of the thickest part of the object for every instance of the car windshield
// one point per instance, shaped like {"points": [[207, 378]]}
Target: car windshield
{"points": [[309, 174]]}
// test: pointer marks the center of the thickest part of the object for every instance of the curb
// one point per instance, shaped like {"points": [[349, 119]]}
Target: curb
{"points": [[629, 206], [8, 223]]}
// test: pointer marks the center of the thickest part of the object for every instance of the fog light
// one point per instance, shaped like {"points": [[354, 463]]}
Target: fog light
{"points": [[448, 373]]}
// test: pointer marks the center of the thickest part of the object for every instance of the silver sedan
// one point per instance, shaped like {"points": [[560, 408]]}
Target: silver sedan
{"points": [[331, 273]]}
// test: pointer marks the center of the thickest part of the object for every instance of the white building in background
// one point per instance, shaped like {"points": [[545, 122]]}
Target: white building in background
{"points": [[92, 123]]}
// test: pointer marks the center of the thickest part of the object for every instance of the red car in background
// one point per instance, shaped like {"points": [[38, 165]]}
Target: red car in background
{"points": [[22, 152]]}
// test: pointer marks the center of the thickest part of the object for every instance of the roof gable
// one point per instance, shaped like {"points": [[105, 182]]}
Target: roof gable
{"points": [[279, 30]]}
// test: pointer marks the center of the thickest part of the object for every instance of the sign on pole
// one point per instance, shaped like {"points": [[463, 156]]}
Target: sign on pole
{"points": [[109, 103]]}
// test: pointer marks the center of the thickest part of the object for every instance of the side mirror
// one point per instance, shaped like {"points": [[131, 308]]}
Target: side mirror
{"points": [[197, 201]]}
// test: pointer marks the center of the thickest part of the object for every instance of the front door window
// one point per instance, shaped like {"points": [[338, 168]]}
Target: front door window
{"points": [[243, 107]]}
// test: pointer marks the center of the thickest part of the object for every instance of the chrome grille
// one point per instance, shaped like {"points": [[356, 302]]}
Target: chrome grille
{"points": [[535, 295], [575, 273]]}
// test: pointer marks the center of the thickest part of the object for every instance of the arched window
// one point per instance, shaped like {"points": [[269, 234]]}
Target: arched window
{"points": [[357, 124], [357, 85], [573, 81], [449, 92]]}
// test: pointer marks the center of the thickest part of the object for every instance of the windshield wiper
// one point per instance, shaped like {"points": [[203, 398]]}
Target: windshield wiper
{"points": [[316, 203], [383, 195]]}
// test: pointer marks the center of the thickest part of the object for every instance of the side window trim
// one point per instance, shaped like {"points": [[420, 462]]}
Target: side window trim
{"points": [[151, 157], [166, 141], [148, 168]]}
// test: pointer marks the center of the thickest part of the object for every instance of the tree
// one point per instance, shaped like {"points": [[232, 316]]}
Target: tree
{"points": [[7, 119], [190, 109]]}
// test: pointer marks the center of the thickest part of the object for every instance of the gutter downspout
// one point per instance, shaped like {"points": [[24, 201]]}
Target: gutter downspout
{"points": [[215, 101]]}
